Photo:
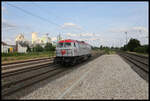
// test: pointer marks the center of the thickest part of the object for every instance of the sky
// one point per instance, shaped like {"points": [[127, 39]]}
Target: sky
{"points": [[97, 23]]}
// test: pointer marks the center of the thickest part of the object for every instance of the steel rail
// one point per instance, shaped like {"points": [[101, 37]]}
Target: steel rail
{"points": [[20, 65], [19, 84], [23, 61], [135, 61]]}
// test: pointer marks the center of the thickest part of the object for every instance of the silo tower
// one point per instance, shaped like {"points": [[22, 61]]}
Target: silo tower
{"points": [[34, 37], [20, 37]]}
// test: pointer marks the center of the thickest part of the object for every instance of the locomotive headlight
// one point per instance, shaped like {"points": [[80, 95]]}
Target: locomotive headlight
{"points": [[56, 51]]}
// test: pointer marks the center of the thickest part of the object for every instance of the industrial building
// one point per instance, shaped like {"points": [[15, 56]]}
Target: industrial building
{"points": [[43, 40], [5, 48]]}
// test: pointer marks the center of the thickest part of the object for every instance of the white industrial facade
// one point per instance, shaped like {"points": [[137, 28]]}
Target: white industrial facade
{"points": [[4, 48], [21, 49]]}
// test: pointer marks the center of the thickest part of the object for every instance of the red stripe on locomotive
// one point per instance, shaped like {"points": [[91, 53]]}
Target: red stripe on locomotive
{"points": [[62, 41], [69, 40]]}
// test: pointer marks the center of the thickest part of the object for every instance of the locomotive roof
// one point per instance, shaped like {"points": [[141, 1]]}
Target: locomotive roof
{"points": [[70, 40]]}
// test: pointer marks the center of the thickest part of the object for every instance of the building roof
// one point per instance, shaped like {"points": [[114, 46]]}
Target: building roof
{"points": [[14, 46], [22, 45], [3, 43]]}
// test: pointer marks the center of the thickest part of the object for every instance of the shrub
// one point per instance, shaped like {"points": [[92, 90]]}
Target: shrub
{"points": [[142, 49]]}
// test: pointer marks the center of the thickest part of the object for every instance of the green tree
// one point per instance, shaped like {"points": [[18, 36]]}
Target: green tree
{"points": [[112, 47], [101, 47], [38, 48], [132, 44], [124, 48], [146, 47], [28, 48], [49, 47], [142, 49]]}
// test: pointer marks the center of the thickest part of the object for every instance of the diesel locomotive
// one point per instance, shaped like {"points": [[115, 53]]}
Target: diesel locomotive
{"points": [[70, 52]]}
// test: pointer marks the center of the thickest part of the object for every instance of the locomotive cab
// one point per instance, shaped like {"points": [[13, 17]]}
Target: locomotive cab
{"points": [[65, 49]]}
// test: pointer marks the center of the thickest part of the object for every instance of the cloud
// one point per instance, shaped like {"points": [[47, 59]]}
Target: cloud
{"points": [[131, 29], [140, 29], [118, 30], [81, 34], [71, 34], [9, 41], [53, 38], [3, 9], [87, 34], [8, 25], [71, 25], [137, 32]]}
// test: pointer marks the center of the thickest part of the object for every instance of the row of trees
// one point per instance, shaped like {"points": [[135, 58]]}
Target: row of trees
{"points": [[39, 48], [134, 46]]}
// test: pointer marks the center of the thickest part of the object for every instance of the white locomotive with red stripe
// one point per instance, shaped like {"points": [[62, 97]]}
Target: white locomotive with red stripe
{"points": [[71, 52]]}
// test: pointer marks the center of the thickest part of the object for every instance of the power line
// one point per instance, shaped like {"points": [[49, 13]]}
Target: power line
{"points": [[81, 29], [45, 11], [27, 12], [44, 19]]}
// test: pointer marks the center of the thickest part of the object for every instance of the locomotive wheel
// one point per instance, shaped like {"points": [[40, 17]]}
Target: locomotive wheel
{"points": [[74, 61], [78, 60], [65, 64], [54, 62]]}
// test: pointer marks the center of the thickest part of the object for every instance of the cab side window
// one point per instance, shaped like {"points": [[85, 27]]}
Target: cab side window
{"points": [[74, 45]]}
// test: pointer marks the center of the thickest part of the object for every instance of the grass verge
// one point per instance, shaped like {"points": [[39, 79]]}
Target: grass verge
{"points": [[12, 57]]}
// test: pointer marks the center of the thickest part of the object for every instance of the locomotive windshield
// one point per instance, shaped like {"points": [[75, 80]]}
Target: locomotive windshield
{"points": [[67, 44], [64, 44], [60, 45]]}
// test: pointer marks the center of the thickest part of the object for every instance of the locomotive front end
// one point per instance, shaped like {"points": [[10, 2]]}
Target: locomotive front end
{"points": [[64, 52]]}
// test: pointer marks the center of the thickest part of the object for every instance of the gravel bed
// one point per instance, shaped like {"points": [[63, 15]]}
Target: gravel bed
{"points": [[110, 78], [106, 77]]}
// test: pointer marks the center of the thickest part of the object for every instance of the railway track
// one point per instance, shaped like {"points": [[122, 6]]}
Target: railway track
{"points": [[20, 76], [22, 72], [24, 63], [139, 63], [10, 84]]}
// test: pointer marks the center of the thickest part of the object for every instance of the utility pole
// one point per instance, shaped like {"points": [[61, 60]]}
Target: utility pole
{"points": [[47, 34], [47, 37], [126, 37]]}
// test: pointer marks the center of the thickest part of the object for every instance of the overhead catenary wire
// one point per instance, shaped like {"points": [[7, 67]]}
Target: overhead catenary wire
{"points": [[46, 11], [81, 29], [29, 13], [41, 18]]}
